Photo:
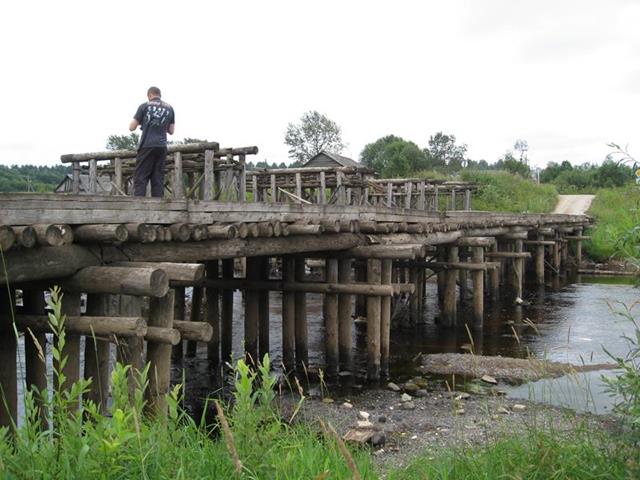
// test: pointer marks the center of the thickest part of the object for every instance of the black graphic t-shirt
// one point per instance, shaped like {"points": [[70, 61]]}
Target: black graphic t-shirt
{"points": [[154, 117]]}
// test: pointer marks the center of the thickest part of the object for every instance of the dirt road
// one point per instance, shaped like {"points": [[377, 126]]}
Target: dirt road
{"points": [[573, 204]]}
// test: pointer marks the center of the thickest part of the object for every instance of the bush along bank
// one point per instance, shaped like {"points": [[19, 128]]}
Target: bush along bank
{"points": [[502, 191], [617, 220]]}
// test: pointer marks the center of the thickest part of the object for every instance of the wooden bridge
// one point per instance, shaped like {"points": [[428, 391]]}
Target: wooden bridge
{"points": [[222, 228]]}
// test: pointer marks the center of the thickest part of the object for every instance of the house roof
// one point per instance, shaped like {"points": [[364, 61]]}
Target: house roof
{"points": [[344, 161], [104, 183]]}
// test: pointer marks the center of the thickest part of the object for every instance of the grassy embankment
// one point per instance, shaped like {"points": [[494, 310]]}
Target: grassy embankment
{"points": [[617, 212], [501, 191]]}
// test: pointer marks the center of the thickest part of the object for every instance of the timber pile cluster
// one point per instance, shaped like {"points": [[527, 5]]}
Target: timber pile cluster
{"points": [[125, 252]]}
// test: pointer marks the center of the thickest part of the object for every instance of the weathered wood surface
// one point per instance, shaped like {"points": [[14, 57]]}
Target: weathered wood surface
{"points": [[122, 154], [178, 273], [313, 287], [87, 325], [151, 282]]}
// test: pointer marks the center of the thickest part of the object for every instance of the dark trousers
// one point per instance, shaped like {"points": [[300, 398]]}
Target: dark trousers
{"points": [[149, 166]]}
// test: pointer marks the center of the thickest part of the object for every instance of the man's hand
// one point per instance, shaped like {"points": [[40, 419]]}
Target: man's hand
{"points": [[133, 125]]}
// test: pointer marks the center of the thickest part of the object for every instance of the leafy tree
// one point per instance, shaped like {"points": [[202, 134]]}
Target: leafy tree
{"points": [[372, 154], [553, 170], [31, 178], [522, 147], [402, 159], [311, 135], [443, 151], [511, 164], [123, 142]]}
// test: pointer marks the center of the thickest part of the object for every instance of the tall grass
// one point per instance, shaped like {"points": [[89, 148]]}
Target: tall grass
{"points": [[76, 441], [616, 212], [584, 455], [502, 191]]}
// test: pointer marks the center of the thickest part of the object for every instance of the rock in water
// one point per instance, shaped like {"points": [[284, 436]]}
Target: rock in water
{"points": [[406, 398], [489, 379], [393, 387], [362, 415]]}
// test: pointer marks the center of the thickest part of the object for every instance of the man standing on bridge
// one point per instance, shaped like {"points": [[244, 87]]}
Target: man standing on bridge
{"points": [[156, 118]]}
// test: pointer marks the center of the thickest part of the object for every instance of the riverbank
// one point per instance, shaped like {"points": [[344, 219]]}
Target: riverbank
{"points": [[400, 428]]}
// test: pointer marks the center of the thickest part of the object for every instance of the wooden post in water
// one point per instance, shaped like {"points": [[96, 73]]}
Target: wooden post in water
{"points": [[449, 305], [213, 313], [179, 312], [196, 316], [385, 315], [345, 321], [159, 354], [556, 253], [518, 269], [226, 327], [8, 370], [330, 311], [96, 352], [35, 347], [414, 298], [302, 349], [373, 322], [288, 314], [478, 287], [263, 310], [252, 311], [441, 275], [579, 248], [539, 260], [463, 279], [360, 273], [130, 350], [494, 277], [71, 307]]}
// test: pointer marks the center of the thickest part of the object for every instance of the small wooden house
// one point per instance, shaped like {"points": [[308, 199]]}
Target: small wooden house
{"points": [[333, 160]]}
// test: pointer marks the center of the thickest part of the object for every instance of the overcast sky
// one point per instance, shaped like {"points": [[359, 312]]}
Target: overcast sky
{"points": [[563, 74]]}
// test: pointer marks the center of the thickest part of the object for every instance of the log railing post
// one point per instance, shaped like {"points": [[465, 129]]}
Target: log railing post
{"points": [[75, 178], [467, 199], [207, 187], [243, 178], [178, 179], [274, 189], [389, 194], [117, 165], [298, 186], [408, 186], [421, 197], [93, 175]]}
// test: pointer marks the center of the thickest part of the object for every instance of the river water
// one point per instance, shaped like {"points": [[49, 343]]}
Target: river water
{"points": [[573, 321]]}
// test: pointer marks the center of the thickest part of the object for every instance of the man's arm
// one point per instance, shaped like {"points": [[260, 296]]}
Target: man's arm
{"points": [[133, 124], [171, 128]]}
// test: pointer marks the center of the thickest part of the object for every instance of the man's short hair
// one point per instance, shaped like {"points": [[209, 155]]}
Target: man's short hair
{"points": [[155, 91]]}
